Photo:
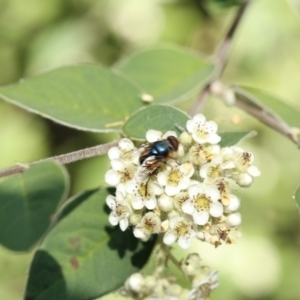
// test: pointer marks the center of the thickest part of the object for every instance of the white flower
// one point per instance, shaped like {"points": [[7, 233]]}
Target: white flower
{"points": [[179, 199], [191, 265], [201, 154], [126, 151], [185, 138], [244, 170], [181, 230], [223, 186], [144, 194], [203, 285], [120, 172], [202, 131], [234, 219], [203, 202], [165, 203], [234, 203], [135, 283], [149, 224], [153, 135], [175, 177], [215, 233], [217, 168], [120, 210]]}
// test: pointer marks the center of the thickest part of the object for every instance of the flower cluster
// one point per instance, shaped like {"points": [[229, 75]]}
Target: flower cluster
{"points": [[159, 286], [185, 193]]}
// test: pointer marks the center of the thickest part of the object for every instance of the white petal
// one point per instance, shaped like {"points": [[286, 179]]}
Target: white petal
{"points": [[165, 203], [234, 219], [214, 138], [217, 159], [253, 171], [162, 178], [199, 118], [136, 282], [187, 169], [137, 203], [200, 235], [153, 135], [113, 153], [212, 192], [244, 180], [234, 203], [111, 202], [113, 219], [117, 164], [228, 165], [120, 193], [140, 234], [130, 186], [124, 224], [174, 221], [170, 237], [180, 150], [195, 190], [156, 188], [212, 126], [126, 144], [198, 139], [201, 218], [204, 170], [172, 190], [226, 152], [112, 177], [190, 125], [184, 242], [188, 207], [151, 203], [216, 209], [184, 183]]}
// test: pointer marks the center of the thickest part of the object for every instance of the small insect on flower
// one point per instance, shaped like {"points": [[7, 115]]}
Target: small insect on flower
{"points": [[152, 155]]}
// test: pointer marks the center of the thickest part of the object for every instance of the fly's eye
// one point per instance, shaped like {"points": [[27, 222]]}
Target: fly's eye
{"points": [[173, 141]]}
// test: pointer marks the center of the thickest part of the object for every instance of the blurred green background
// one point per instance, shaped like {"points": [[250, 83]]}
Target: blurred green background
{"points": [[39, 35]]}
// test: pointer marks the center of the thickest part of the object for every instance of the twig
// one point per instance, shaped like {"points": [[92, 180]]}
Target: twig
{"points": [[269, 119], [62, 159], [221, 56]]}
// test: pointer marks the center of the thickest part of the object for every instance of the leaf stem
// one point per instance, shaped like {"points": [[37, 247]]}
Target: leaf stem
{"points": [[62, 159], [221, 56]]}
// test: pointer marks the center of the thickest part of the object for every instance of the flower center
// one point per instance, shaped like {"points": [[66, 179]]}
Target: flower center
{"points": [[126, 175], [213, 172], [121, 210], [182, 228], [144, 191], [202, 203], [246, 158], [174, 177], [202, 132]]}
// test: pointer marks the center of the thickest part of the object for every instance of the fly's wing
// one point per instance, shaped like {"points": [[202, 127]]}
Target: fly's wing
{"points": [[132, 156], [148, 167]]}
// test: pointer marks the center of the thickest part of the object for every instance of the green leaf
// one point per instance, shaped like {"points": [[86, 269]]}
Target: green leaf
{"points": [[233, 138], [272, 111], [297, 197], [83, 257], [158, 117], [86, 97], [27, 203], [169, 74]]}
